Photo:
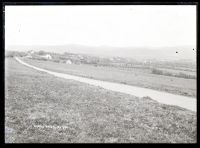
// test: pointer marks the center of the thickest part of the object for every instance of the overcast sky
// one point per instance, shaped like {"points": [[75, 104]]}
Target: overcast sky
{"points": [[146, 26]]}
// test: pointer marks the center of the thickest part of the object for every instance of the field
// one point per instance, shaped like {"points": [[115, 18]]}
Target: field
{"points": [[189, 72], [137, 76], [40, 108]]}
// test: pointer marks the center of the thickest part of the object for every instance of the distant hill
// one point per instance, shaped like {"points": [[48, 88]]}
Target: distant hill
{"points": [[139, 53]]}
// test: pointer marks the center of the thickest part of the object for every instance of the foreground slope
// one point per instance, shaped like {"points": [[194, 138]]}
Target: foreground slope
{"points": [[43, 108]]}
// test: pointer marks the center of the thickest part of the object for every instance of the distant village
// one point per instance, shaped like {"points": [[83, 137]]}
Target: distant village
{"points": [[73, 58]]}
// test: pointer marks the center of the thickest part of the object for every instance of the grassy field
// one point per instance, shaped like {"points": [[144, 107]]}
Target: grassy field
{"points": [[136, 77], [178, 71], [45, 109]]}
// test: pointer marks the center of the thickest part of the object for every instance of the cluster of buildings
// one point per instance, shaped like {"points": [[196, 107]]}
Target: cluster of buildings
{"points": [[70, 58], [33, 54]]}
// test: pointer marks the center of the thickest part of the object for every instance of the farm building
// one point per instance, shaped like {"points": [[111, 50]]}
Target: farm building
{"points": [[28, 56], [47, 56], [68, 62], [147, 62], [32, 52]]}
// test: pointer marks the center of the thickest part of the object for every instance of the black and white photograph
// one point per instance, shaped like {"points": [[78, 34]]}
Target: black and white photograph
{"points": [[100, 73]]}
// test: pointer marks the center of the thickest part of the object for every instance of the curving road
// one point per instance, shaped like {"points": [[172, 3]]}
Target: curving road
{"points": [[162, 97]]}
